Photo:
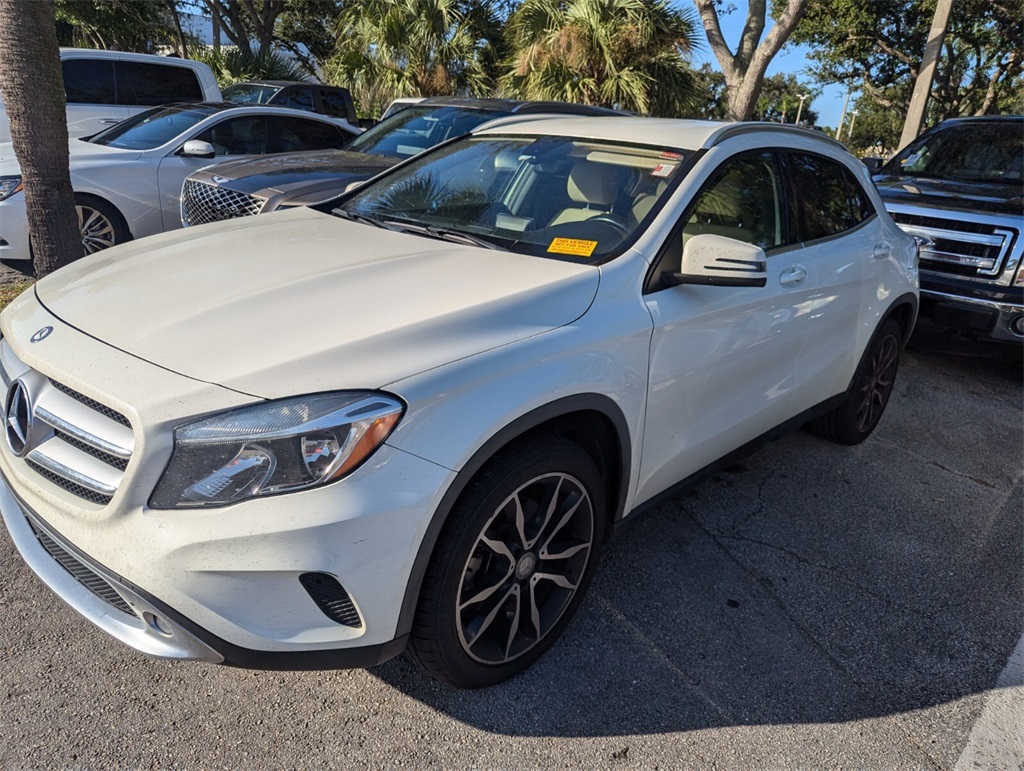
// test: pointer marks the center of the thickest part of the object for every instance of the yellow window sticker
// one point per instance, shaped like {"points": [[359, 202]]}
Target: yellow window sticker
{"points": [[575, 246]]}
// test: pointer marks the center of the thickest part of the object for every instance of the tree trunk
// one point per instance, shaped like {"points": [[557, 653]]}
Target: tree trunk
{"points": [[32, 85], [744, 71]]}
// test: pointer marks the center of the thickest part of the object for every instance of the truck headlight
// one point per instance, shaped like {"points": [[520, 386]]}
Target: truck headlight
{"points": [[274, 447], [9, 186]]}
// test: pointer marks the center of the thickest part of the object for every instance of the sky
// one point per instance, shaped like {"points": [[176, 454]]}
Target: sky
{"points": [[791, 59]]}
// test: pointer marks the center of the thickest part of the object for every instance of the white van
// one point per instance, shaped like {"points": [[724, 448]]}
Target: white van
{"points": [[105, 87]]}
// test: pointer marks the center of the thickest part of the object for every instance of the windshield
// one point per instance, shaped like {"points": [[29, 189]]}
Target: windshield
{"points": [[417, 128], [249, 93], [152, 128], [966, 152], [570, 199]]}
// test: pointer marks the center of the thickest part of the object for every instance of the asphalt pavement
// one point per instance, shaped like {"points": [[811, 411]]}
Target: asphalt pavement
{"points": [[816, 605]]}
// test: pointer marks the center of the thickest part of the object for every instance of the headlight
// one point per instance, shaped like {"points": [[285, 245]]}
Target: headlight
{"points": [[275, 447], [9, 186]]}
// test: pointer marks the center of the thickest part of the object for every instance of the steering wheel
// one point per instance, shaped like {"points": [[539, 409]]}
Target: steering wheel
{"points": [[607, 219]]}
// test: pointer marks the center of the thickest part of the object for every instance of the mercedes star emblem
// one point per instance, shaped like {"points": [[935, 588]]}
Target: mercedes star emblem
{"points": [[18, 419]]}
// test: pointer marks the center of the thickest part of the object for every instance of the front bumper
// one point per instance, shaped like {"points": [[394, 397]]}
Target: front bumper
{"points": [[14, 229], [218, 585], [996, 313]]}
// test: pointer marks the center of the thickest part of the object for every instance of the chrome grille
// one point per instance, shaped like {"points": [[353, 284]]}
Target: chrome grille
{"points": [[82, 573], [953, 247], [202, 203], [75, 442]]}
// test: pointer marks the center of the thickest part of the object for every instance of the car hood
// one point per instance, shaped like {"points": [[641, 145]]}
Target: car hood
{"points": [[299, 302], [294, 173], [993, 198]]}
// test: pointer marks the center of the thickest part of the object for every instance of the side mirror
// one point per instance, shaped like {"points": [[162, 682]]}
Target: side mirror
{"points": [[195, 148], [720, 261]]}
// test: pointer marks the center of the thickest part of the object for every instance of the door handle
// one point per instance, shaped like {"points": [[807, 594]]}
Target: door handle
{"points": [[882, 250], [109, 121], [793, 275]]}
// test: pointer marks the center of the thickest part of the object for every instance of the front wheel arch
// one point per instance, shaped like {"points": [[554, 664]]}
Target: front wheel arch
{"points": [[592, 421]]}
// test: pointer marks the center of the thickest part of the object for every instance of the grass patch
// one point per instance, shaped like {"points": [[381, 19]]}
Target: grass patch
{"points": [[9, 291]]}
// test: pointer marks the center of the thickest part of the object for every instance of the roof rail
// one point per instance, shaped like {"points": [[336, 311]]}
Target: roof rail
{"points": [[751, 127]]}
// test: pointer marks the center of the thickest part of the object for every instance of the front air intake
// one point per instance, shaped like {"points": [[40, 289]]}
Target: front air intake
{"points": [[331, 598]]}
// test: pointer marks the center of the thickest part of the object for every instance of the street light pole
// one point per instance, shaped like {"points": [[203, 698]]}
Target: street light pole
{"points": [[800, 109], [849, 133], [842, 116]]}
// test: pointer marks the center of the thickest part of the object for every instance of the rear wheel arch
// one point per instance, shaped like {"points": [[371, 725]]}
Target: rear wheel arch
{"points": [[592, 421], [904, 312]]}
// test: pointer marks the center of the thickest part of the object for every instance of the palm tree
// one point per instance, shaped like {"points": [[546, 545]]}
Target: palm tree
{"points": [[33, 91], [629, 54], [391, 48]]}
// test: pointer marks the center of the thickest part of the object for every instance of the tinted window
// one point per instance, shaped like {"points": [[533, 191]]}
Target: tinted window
{"points": [[742, 200], [859, 201], [153, 84], [295, 134], [152, 128], [823, 198], [297, 99], [89, 81], [335, 104], [245, 135]]}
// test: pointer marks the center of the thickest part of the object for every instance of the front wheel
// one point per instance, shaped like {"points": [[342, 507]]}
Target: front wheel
{"points": [[101, 225], [512, 564], [853, 421]]}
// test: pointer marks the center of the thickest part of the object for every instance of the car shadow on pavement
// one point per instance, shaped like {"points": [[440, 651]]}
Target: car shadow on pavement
{"points": [[812, 583]]}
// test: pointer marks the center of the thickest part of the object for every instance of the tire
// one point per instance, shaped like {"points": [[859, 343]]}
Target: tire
{"points": [[102, 225], [497, 595], [853, 421]]}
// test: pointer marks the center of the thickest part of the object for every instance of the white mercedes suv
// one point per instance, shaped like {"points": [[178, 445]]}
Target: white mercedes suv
{"points": [[410, 421]]}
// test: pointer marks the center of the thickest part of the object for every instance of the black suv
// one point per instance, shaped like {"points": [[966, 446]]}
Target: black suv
{"points": [[959, 189], [334, 101], [239, 188]]}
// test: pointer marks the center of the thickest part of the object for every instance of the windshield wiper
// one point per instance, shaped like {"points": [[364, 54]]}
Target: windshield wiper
{"points": [[445, 234], [364, 218]]}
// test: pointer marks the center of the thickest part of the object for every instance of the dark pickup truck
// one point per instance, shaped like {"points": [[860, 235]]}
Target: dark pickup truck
{"points": [[959, 189]]}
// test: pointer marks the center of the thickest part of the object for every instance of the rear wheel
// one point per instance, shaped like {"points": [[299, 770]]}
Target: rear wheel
{"points": [[102, 225], [853, 421], [512, 564]]}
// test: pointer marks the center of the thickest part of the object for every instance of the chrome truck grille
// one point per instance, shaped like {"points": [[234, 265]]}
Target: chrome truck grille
{"points": [[202, 203], [958, 247], [65, 437]]}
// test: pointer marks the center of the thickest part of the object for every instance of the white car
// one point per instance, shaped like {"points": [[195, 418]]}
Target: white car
{"points": [[313, 439], [105, 87], [127, 179]]}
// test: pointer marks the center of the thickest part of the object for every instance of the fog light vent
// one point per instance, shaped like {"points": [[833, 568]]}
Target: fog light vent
{"points": [[1017, 325], [331, 598]]}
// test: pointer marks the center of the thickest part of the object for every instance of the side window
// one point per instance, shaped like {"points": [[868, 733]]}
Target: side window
{"points": [[859, 201], [743, 200], [148, 85], [823, 197], [298, 99], [246, 135], [89, 81], [335, 104], [295, 134]]}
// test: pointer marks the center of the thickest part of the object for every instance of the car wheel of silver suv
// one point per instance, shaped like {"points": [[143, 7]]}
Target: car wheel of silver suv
{"points": [[512, 564]]}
